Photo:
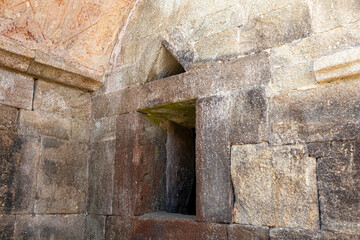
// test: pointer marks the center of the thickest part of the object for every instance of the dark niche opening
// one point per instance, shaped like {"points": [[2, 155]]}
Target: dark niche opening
{"points": [[179, 120]]}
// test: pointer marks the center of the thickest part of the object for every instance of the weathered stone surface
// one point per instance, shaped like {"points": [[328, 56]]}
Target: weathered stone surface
{"points": [[274, 186], [67, 227], [61, 182], [204, 81], [139, 182], [19, 156], [241, 232], [61, 100], [9, 117], [168, 226], [101, 173], [36, 123], [249, 116], [328, 14], [214, 194], [104, 129], [95, 227], [7, 223], [80, 130], [282, 233], [338, 66], [120, 78], [338, 178], [328, 112], [117, 228], [16, 90]]}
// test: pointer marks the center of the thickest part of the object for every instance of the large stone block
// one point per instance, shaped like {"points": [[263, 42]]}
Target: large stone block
{"points": [[67, 227], [214, 196], [241, 232], [61, 183], [139, 182], [164, 226], [274, 186], [19, 156], [9, 117], [16, 90], [101, 173], [7, 223], [95, 227], [338, 167], [328, 112], [104, 129], [285, 233], [329, 14], [61, 100], [35, 123], [117, 228], [249, 116]]}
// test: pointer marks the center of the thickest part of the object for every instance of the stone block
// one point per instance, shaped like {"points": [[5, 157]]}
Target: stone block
{"points": [[139, 182], [241, 232], [249, 116], [104, 129], [274, 186], [95, 227], [7, 223], [328, 112], [61, 183], [120, 78], [101, 173], [166, 226], [118, 228], [338, 66], [283, 233], [9, 117], [16, 90], [214, 196], [81, 130], [338, 178], [36, 123], [19, 156], [329, 14], [66, 227], [61, 100]]}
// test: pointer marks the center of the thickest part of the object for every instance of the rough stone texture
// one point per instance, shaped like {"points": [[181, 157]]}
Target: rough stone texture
{"points": [[338, 66], [9, 117], [204, 81], [274, 186], [95, 227], [172, 227], [81, 130], [249, 113], [281, 233], [329, 112], [7, 223], [180, 170], [104, 129], [16, 90], [19, 157], [67, 227], [36, 123], [338, 178], [118, 228], [60, 100], [241, 232], [61, 183], [213, 182], [139, 182], [329, 14], [101, 173]]}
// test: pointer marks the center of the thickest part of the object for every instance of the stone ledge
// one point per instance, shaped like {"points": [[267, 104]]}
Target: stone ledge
{"points": [[45, 66], [337, 66]]}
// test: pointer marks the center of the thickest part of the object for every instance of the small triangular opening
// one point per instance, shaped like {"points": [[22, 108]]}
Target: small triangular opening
{"points": [[165, 66]]}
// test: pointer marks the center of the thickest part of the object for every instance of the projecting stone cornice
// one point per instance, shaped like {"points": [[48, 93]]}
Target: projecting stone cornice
{"points": [[16, 57], [341, 65]]}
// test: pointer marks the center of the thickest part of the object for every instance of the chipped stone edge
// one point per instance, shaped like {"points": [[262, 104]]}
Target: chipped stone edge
{"points": [[42, 65], [338, 66]]}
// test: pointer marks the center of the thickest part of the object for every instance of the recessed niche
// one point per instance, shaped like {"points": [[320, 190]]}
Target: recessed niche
{"points": [[179, 120]]}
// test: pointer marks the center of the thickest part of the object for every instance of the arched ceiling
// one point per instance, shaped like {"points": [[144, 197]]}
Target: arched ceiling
{"points": [[79, 31]]}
